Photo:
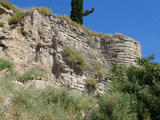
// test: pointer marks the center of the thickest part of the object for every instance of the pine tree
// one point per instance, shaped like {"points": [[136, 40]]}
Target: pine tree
{"points": [[77, 11]]}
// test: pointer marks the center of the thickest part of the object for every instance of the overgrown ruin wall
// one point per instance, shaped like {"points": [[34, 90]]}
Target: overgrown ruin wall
{"points": [[38, 41], [121, 49]]}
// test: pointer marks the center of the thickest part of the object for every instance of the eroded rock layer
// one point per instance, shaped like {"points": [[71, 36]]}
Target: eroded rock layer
{"points": [[39, 40]]}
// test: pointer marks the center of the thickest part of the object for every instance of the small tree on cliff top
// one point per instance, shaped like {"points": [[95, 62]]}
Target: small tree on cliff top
{"points": [[77, 11]]}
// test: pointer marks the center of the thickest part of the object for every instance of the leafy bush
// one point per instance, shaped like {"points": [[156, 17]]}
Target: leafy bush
{"points": [[16, 17], [142, 82], [1, 24], [74, 58], [44, 10], [8, 5], [5, 64], [114, 106], [91, 82], [96, 67], [31, 74]]}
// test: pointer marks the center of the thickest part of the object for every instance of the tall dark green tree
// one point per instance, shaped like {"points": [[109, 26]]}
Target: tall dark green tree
{"points": [[77, 13]]}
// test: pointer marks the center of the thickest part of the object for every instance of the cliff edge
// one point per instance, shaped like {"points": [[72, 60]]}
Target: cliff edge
{"points": [[38, 41]]}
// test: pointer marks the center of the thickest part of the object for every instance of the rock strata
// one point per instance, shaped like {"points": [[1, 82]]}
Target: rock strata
{"points": [[38, 41]]}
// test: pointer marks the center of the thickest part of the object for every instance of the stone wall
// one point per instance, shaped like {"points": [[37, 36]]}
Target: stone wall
{"points": [[39, 40], [121, 49], [88, 45]]}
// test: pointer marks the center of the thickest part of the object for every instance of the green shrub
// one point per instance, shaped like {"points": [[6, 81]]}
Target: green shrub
{"points": [[114, 106], [5, 64], [6, 89], [91, 82], [44, 10], [50, 104], [96, 67], [31, 74], [16, 17], [91, 41], [118, 72], [8, 5], [143, 82], [6, 85], [74, 58], [1, 24]]}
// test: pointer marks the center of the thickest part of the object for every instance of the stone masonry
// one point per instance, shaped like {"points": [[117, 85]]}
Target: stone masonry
{"points": [[38, 41]]}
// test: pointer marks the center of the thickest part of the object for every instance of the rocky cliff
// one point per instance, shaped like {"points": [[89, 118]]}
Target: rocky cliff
{"points": [[38, 41]]}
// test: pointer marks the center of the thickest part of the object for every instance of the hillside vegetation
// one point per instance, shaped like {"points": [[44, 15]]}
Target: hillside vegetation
{"points": [[134, 96], [134, 93]]}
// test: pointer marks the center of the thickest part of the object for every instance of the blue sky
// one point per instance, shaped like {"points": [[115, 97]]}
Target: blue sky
{"points": [[139, 19]]}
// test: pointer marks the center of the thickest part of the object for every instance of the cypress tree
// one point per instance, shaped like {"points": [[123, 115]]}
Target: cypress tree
{"points": [[77, 11]]}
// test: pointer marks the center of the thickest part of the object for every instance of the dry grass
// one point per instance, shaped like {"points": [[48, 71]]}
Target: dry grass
{"points": [[16, 17], [108, 35], [31, 74], [91, 82], [96, 67], [8, 5], [66, 18], [118, 34], [44, 10]]}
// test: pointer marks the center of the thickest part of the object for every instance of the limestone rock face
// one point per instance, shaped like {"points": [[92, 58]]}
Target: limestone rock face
{"points": [[4, 10], [121, 49], [39, 40]]}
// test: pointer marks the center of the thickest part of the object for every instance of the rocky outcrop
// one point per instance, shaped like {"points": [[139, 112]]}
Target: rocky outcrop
{"points": [[38, 41], [5, 10], [121, 49]]}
